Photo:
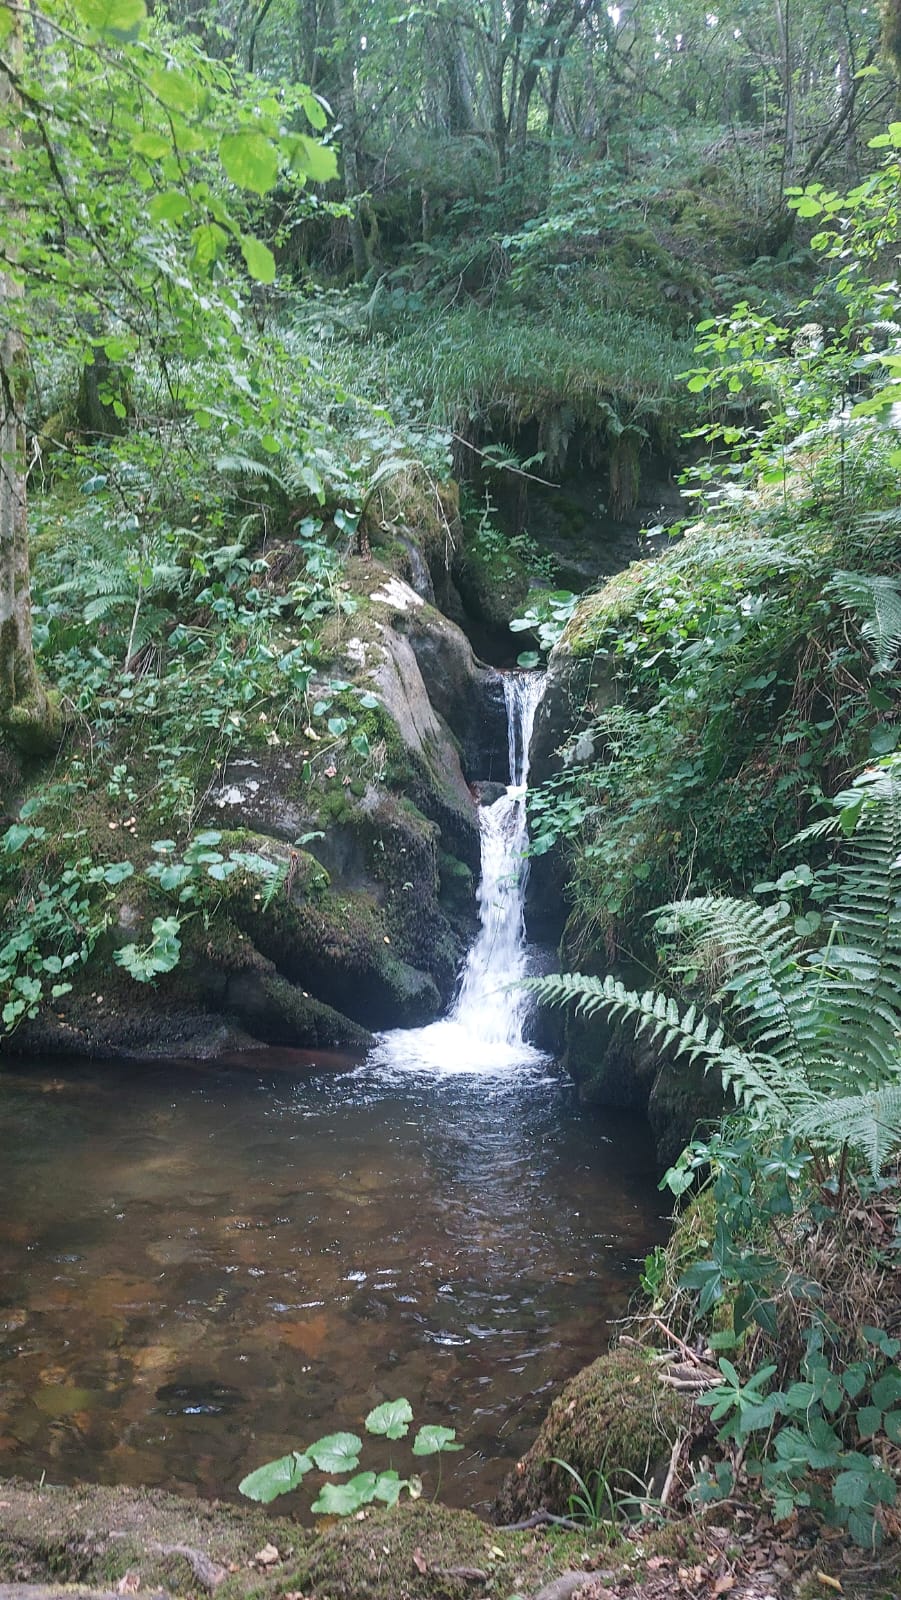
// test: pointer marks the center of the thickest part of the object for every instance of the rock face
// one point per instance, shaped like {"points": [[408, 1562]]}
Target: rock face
{"points": [[373, 856]]}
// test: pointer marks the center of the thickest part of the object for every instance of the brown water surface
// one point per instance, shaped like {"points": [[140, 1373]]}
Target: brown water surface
{"points": [[202, 1268]]}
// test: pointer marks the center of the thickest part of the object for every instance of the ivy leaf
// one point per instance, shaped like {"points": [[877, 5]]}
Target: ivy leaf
{"points": [[337, 1452], [391, 1420], [250, 160], [432, 1440], [120, 17], [276, 1477], [258, 259]]}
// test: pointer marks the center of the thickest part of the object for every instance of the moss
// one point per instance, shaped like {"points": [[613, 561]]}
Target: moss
{"points": [[605, 607], [92, 1535], [494, 581], [615, 1417], [382, 1557]]}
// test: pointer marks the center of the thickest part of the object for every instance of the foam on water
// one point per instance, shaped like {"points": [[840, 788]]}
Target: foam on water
{"points": [[483, 1032]]}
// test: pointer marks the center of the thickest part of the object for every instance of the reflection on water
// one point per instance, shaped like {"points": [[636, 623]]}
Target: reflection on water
{"points": [[199, 1269]]}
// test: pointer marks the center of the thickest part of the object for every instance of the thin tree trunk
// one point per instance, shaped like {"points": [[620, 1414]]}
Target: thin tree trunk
{"points": [[23, 701]]}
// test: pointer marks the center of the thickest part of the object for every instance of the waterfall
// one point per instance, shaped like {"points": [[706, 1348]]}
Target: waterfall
{"points": [[498, 956], [484, 1028]]}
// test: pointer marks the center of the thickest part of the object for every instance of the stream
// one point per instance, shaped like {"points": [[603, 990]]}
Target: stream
{"points": [[201, 1267]]}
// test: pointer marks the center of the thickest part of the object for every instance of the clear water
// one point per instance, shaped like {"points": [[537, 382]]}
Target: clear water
{"points": [[200, 1269]]}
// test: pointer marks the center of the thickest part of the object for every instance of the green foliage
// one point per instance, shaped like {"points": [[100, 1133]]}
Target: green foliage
{"points": [[591, 1503], [812, 1043], [56, 911], [811, 1423], [340, 1453]]}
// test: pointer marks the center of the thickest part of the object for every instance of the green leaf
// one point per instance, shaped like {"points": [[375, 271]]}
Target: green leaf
{"points": [[887, 1390], [152, 145], [250, 159], [433, 1440], [390, 1420], [869, 1421], [117, 872], [258, 258], [337, 1452], [312, 159], [341, 1499], [851, 1488], [360, 743], [388, 1486], [119, 17], [16, 837], [209, 241], [276, 1477], [892, 1425], [171, 206], [178, 91]]}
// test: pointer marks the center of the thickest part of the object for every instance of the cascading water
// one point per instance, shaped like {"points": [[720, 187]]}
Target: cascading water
{"points": [[484, 1028]]}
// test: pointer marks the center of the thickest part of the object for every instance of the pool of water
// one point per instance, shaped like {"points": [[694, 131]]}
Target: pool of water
{"points": [[200, 1268]]}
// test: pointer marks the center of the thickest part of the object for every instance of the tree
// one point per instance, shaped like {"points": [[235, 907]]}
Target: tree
{"points": [[133, 163]]}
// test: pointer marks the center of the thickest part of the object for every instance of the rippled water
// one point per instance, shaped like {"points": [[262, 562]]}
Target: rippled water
{"points": [[199, 1268]]}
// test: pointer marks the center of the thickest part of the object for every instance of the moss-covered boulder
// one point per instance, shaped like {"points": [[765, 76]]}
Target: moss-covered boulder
{"points": [[614, 1417]]}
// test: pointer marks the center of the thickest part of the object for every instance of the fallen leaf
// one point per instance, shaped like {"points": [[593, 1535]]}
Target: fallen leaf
{"points": [[831, 1583], [724, 1584], [419, 1561], [267, 1557], [129, 1583]]}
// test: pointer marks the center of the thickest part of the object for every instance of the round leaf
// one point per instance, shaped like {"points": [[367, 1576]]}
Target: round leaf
{"points": [[275, 1478], [432, 1440], [391, 1420], [337, 1452]]}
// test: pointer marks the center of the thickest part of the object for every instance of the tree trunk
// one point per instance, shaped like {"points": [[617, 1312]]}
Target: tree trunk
{"points": [[24, 709]]}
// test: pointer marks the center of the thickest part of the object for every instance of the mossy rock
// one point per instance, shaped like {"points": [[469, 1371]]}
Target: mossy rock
{"points": [[602, 609], [613, 1417], [430, 1552]]}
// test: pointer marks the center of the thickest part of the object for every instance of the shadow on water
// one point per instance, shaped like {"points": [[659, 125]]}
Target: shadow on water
{"points": [[201, 1268]]}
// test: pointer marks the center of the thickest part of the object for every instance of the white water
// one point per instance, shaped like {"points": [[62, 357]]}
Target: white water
{"points": [[483, 1032]]}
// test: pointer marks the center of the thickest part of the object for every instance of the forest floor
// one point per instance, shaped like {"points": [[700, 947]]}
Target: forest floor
{"points": [[86, 1542]]}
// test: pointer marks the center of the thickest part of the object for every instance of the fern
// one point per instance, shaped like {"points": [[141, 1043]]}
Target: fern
{"points": [[814, 1045], [876, 599], [234, 465]]}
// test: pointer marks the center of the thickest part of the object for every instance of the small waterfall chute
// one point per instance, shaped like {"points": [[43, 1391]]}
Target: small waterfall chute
{"points": [[484, 1028]]}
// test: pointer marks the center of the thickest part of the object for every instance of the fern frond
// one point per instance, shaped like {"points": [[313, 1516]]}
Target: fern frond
{"points": [[750, 1076], [764, 981], [235, 465], [876, 600], [104, 605], [870, 1123]]}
